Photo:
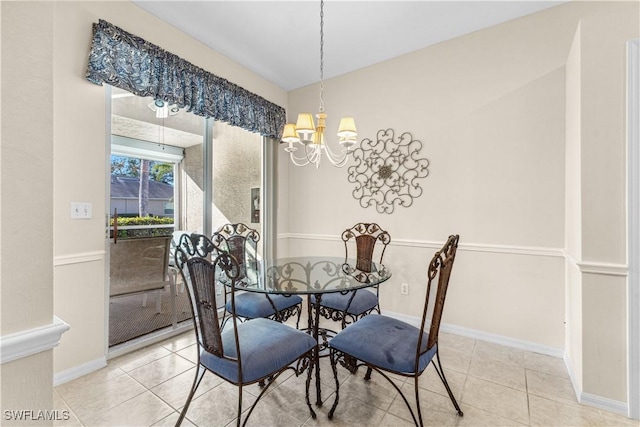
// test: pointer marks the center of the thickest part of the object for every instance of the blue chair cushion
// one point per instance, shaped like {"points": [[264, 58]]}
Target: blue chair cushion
{"points": [[253, 305], [384, 342], [266, 346], [362, 302]]}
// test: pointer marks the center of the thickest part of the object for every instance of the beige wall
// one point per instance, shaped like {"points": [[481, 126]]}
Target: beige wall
{"points": [[523, 124], [604, 37], [26, 271], [489, 109], [573, 217]]}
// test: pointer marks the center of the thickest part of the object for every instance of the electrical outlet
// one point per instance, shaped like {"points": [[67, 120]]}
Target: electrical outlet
{"points": [[404, 289]]}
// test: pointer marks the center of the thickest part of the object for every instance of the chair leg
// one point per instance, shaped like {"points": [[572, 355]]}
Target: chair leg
{"points": [[332, 357], [440, 372], [240, 406], [417, 389], [367, 376], [299, 314], [270, 381], [144, 299], [196, 382], [308, 384]]}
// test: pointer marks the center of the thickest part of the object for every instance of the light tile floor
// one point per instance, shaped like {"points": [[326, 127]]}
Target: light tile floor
{"points": [[495, 386]]}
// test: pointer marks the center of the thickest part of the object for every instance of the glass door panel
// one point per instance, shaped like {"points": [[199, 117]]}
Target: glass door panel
{"points": [[217, 174], [160, 147]]}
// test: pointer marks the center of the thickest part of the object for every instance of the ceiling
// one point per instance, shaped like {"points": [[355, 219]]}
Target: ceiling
{"points": [[280, 40]]}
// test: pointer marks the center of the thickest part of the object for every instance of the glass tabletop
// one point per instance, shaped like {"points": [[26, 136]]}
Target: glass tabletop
{"points": [[310, 275]]}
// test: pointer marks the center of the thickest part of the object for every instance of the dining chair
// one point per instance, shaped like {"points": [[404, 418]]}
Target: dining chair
{"points": [[348, 307], [386, 344], [249, 352], [241, 241], [173, 271]]}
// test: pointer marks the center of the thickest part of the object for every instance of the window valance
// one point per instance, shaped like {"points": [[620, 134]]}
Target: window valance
{"points": [[131, 63]]}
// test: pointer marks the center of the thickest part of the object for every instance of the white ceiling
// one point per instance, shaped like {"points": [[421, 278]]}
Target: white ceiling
{"points": [[280, 40]]}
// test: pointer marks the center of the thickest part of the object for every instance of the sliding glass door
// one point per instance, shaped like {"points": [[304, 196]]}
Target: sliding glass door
{"points": [[196, 176]]}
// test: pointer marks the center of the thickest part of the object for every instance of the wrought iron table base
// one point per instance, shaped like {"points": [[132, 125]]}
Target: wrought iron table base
{"points": [[322, 337]]}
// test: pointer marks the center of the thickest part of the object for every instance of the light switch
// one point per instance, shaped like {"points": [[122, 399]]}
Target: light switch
{"points": [[81, 210]]}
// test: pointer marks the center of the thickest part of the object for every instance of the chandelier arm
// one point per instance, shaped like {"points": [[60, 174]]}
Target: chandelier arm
{"points": [[315, 156], [338, 160], [311, 156], [299, 161], [303, 160]]}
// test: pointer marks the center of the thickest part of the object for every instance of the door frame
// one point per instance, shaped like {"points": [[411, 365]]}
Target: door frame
{"points": [[633, 223]]}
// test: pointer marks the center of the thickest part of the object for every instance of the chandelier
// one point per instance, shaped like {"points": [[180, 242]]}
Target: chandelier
{"points": [[309, 137]]}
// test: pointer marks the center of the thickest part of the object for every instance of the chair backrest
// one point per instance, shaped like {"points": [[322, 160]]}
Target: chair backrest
{"points": [[202, 293], [440, 267], [366, 236], [175, 241], [192, 245], [240, 241]]}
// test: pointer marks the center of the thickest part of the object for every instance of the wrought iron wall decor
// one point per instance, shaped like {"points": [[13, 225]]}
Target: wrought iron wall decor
{"points": [[386, 172]]}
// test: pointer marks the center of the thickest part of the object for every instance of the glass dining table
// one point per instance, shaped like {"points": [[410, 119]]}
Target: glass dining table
{"points": [[312, 275]]}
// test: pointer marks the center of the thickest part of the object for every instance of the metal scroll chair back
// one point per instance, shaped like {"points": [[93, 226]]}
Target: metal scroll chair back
{"points": [[192, 246], [202, 274], [366, 240], [366, 237], [240, 241], [440, 266]]}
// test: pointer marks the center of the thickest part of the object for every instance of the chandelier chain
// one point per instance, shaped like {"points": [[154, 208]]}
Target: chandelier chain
{"points": [[322, 56], [306, 135]]}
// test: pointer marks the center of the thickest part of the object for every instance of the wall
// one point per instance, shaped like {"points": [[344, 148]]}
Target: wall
{"points": [[573, 217], [26, 202], [523, 124], [80, 165], [603, 192], [489, 110]]}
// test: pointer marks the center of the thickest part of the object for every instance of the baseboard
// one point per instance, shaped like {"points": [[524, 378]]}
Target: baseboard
{"points": [[577, 388], [485, 336], [79, 371], [605, 404]]}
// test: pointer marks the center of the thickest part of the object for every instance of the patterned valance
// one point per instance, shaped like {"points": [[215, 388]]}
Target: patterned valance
{"points": [[128, 62]]}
